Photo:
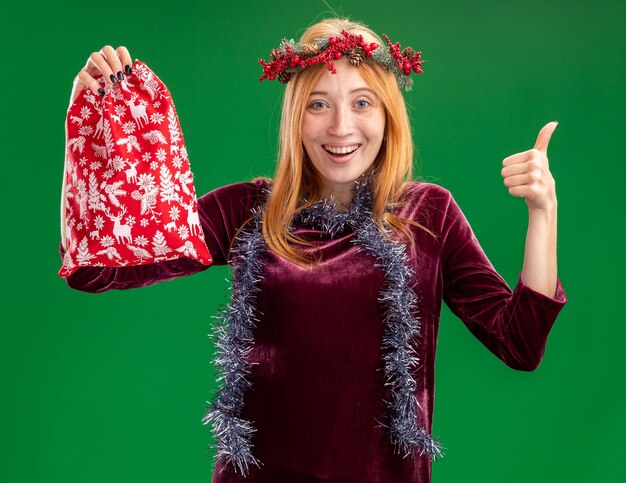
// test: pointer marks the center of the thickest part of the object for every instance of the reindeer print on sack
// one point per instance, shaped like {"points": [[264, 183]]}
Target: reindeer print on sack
{"points": [[192, 218], [138, 111], [121, 232], [131, 173], [128, 178]]}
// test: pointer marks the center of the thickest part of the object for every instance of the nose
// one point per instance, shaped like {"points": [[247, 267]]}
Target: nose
{"points": [[340, 122]]}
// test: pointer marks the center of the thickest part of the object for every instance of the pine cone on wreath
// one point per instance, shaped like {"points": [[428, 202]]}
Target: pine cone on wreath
{"points": [[284, 76], [409, 53], [311, 50], [357, 55]]}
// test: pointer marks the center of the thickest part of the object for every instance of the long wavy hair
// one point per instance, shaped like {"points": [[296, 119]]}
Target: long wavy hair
{"points": [[296, 179]]}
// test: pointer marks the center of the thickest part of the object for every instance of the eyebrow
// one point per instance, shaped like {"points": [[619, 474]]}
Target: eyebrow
{"points": [[324, 93]]}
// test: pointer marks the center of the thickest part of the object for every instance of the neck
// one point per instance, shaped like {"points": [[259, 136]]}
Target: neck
{"points": [[342, 193], [342, 198]]}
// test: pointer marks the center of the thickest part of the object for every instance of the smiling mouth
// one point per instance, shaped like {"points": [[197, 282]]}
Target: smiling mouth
{"points": [[341, 152]]}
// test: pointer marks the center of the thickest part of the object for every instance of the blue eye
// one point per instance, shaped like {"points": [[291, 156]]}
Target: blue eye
{"points": [[316, 103], [364, 101]]}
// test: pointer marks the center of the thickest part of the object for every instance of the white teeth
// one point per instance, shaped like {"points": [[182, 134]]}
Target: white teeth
{"points": [[341, 150]]}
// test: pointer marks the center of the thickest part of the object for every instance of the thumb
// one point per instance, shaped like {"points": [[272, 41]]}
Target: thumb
{"points": [[543, 138]]}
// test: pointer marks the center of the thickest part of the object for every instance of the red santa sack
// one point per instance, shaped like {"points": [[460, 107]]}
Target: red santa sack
{"points": [[128, 184]]}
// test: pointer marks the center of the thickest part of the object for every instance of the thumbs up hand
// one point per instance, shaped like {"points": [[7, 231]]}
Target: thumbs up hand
{"points": [[527, 173]]}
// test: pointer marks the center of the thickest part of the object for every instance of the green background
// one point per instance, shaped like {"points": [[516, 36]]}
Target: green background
{"points": [[112, 387]]}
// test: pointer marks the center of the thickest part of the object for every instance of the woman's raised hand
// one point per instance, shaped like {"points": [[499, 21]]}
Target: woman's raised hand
{"points": [[109, 62]]}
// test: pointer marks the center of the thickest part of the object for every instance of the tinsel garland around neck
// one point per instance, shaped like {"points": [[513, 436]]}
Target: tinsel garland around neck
{"points": [[234, 331]]}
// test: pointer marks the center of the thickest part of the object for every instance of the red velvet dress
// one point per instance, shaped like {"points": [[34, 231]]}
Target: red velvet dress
{"points": [[317, 399]]}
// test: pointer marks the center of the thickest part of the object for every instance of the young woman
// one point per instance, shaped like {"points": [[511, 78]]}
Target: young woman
{"points": [[340, 264]]}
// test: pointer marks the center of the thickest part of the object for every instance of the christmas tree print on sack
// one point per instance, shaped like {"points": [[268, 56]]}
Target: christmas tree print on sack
{"points": [[130, 198]]}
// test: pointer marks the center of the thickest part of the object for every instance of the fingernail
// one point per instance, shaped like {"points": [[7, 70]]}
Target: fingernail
{"points": [[101, 91], [128, 69], [120, 76], [113, 79]]}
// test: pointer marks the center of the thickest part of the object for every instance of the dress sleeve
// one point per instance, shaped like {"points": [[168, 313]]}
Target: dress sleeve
{"points": [[513, 324], [221, 212]]}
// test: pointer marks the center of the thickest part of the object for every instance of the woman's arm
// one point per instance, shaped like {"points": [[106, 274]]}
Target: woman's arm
{"points": [[221, 212], [513, 324], [539, 270], [102, 279], [528, 175]]}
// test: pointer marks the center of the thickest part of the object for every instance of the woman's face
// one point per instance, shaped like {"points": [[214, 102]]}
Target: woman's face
{"points": [[343, 115]]}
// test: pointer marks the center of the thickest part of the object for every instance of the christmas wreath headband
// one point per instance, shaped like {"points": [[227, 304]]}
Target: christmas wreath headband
{"points": [[292, 57]]}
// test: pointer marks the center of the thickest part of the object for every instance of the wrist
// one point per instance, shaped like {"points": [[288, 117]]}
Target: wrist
{"points": [[549, 210]]}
